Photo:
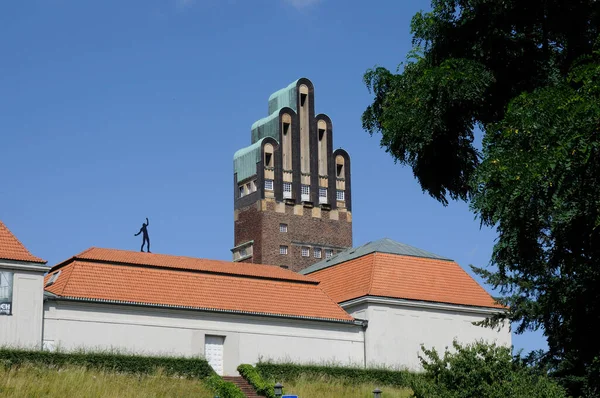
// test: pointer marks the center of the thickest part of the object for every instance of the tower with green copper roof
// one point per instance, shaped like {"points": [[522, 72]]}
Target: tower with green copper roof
{"points": [[292, 197]]}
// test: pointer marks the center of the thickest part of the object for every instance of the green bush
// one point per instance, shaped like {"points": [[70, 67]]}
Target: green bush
{"points": [[262, 387], [115, 362], [224, 389], [480, 370], [291, 371]]}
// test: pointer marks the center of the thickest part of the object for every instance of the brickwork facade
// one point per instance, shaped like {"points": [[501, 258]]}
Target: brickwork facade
{"points": [[313, 229]]}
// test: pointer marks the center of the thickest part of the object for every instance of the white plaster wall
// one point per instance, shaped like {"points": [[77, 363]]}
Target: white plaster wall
{"points": [[395, 332], [153, 331], [24, 327]]}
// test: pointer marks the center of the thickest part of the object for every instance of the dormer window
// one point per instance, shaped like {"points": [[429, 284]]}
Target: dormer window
{"points": [[52, 278]]}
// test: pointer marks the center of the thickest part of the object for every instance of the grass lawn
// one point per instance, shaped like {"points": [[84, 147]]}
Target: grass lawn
{"points": [[30, 381], [330, 388]]}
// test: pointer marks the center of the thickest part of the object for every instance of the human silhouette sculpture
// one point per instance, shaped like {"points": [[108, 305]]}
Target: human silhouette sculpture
{"points": [[146, 239]]}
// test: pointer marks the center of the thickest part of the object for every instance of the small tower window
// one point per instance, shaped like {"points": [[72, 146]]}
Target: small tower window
{"points": [[339, 195], [317, 252], [268, 155], [287, 190], [305, 193], [283, 250], [339, 166], [268, 185], [283, 227], [305, 251], [286, 128]]}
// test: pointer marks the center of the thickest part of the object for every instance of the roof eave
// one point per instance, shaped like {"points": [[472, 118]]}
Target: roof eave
{"points": [[24, 265], [203, 309], [423, 304]]}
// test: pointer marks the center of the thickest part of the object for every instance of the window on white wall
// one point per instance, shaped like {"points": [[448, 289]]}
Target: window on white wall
{"points": [[305, 251], [283, 250], [6, 292]]}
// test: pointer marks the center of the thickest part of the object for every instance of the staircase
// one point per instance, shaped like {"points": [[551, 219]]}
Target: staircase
{"points": [[246, 388]]}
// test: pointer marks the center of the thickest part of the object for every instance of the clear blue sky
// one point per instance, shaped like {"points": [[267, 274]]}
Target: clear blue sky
{"points": [[113, 111]]}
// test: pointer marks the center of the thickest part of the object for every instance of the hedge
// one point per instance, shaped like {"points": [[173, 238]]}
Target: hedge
{"points": [[124, 363], [261, 386], [224, 389], [291, 371]]}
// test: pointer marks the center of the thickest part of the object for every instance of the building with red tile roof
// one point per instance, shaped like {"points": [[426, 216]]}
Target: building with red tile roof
{"points": [[173, 305], [159, 280], [21, 293], [410, 297]]}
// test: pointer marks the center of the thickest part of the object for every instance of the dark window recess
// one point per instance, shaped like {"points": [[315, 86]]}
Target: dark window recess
{"points": [[269, 159], [340, 170], [286, 128], [321, 134], [303, 99]]}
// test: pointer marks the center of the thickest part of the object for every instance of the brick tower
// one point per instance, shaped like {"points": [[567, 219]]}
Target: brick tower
{"points": [[292, 197]]}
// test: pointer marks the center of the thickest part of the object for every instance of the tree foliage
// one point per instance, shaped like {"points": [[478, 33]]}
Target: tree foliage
{"points": [[527, 73], [480, 370]]}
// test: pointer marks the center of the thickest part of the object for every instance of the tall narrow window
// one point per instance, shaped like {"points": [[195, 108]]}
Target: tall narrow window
{"points": [[305, 193], [287, 190], [303, 113], [322, 147], [322, 195], [241, 189], [286, 141]]}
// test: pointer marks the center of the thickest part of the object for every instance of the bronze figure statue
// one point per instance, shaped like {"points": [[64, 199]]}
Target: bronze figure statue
{"points": [[146, 239]]}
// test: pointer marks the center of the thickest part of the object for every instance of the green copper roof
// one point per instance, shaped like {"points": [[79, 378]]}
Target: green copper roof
{"points": [[245, 159], [384, 245], [287, 96], [266, 127]]}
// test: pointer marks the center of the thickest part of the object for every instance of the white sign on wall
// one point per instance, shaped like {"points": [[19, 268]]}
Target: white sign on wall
{"points": [[6, 285]]}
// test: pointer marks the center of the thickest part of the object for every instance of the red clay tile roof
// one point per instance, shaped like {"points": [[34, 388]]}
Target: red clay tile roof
{"points": [[12, 249], [158, 279], [403, 277]]}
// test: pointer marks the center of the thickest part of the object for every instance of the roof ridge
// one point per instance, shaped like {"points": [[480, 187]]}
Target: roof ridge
{"points": [[372, 272], [307, 281]]}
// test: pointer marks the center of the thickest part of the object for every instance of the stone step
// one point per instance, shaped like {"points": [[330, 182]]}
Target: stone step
{"points": [[243, 385]]}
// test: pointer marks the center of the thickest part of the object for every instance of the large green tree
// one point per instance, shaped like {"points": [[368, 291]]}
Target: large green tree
{"points": [[527, 74]]}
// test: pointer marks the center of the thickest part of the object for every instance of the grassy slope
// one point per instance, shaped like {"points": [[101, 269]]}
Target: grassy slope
{"points": [[30, 381], [328, 388]]}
